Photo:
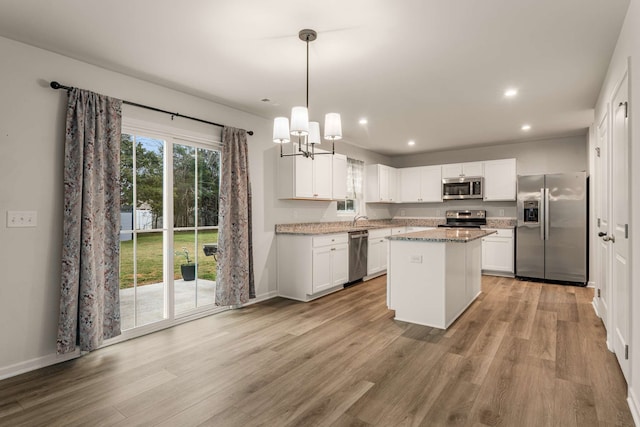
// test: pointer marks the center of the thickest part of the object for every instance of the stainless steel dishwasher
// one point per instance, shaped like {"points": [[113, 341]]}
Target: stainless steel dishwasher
{"points": [[358, 248]]}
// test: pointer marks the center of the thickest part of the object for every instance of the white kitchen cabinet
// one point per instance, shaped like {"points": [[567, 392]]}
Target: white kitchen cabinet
{"points": [[303, 178], [456, 170], [381, 184], [377, 251], [500, 180], [339, 180], [311, 266], [497, 253], [420, 184]]}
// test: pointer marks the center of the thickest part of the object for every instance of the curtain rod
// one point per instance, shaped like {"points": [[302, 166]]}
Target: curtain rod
{"points": [[56, 85]]}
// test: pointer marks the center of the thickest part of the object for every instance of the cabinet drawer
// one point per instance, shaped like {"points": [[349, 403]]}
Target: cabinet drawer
{"points": [[501, 232], [381, 232], [398, 230], [331, 239]]}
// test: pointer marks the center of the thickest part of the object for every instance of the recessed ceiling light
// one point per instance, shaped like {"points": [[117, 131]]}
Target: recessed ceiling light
{"points": [[526, 127], [363, 121], [510, 93], [412, 142]]}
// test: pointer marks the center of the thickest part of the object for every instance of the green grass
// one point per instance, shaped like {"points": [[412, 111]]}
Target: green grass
{"points": [[149, 254]]}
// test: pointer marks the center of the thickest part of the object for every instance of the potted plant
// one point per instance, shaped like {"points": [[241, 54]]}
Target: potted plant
{"points": [[187, 269]]}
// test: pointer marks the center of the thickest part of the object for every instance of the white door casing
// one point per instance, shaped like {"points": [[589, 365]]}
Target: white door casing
{"points": [[620, 195], [603, 205]]}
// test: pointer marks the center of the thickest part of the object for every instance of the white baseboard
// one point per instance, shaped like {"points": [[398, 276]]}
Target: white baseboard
{"points": [[594, 303], [37, 363], [591, 284], [634, 406], [262, 297]]}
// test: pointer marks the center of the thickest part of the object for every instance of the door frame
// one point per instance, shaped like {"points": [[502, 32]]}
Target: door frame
{"points": [[625, 363], [603, 156]]}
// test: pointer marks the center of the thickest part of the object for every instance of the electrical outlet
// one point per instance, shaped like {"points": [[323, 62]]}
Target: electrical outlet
{"points": [[402, 212], [22, 219], [437, 212], [501, 212]]}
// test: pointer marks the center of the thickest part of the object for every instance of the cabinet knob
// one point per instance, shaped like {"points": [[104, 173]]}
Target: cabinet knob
{"points": [[333, 249]]}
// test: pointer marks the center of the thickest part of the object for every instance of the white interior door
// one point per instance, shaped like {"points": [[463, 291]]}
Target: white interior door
{"points": [[603, 205], [619, 227]]}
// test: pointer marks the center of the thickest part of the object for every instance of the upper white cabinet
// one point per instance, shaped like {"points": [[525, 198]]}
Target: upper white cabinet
{"points": [[456, 170], [500, 180], [339, 177], [303, 178], [420, 184], [381, 184]]}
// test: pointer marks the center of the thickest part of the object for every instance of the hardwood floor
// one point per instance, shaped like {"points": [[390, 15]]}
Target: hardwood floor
{"points": [[524, 354]]}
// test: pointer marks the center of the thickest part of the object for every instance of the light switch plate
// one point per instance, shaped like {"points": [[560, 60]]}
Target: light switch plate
{"points": [[22, 219]]}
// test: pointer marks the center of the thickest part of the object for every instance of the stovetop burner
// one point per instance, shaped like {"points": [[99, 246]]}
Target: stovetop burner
{"points": [[465, 219], [460, 226]]}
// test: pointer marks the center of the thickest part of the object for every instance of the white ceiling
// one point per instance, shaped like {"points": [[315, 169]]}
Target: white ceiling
{"points": [[429, 70]]}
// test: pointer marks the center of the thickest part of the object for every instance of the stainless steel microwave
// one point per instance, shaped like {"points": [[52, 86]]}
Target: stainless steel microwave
{"points": [[466, 187]]}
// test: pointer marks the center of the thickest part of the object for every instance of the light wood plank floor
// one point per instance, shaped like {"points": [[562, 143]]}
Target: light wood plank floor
{"points": [[524, 354]]}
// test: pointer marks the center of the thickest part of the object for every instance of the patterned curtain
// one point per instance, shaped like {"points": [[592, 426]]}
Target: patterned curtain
{"points": [[89, 293], [235, 282]]}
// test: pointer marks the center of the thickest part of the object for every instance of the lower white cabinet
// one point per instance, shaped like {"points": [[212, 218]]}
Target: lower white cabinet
{"points": [[497, 253], [377, 253], [312, 266]]}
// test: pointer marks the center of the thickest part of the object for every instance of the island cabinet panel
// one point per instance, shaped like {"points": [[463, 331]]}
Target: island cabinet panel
{"points": [[432, 283], [311, 266]]}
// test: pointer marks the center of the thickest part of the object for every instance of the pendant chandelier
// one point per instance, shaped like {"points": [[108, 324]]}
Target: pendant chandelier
{"points": [[307, 133]]}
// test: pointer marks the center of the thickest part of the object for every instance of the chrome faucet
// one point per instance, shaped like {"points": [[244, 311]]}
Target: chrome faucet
{"points": [[357, 217]]}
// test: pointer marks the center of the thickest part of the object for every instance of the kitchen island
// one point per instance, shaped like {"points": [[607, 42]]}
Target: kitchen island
{"points": [[434, 275]]}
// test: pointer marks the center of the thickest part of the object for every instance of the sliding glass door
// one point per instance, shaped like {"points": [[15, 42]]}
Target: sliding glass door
{"points": [[169, 227]]}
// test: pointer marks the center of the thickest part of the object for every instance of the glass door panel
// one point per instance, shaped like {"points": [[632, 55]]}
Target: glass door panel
{"points": [[196, 178], [207, 264], [142, 284], [184, 271]]}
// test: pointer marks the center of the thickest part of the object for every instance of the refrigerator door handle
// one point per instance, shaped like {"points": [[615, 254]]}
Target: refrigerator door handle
{"points": [[542, 213], [546, 214]]}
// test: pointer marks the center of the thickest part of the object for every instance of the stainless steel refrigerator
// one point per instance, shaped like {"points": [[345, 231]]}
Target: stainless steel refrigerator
{"points": [[552, 228]]}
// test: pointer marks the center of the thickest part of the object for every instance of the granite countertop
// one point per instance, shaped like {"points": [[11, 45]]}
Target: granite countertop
{"points": [[314, 228], [447, 235], [311, 228]]}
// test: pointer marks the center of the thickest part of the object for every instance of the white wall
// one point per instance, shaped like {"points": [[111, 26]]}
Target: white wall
{"points": [[31, 158], [628, 46], [553, 155]]}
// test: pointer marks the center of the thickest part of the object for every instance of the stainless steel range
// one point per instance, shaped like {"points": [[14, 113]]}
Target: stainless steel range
{"points": [[465, 219]]}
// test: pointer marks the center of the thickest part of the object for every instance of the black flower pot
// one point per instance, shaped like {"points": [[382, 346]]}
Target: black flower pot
{"points": [[188, 272]]}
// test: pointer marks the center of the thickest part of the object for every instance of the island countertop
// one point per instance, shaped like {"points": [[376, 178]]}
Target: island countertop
{"points": [[455, 235]]}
